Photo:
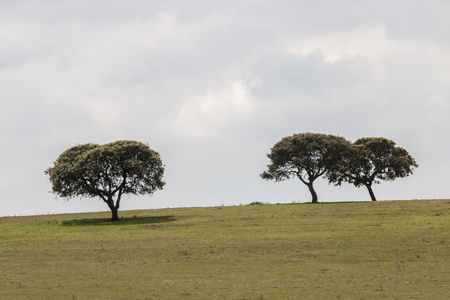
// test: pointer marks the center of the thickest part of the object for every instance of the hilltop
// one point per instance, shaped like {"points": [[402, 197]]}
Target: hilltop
{"points": [[364, 250]]}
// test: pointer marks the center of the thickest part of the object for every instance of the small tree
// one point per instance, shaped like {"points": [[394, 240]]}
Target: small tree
{"points": [[107, 171], [306, 156], [372, 160]]}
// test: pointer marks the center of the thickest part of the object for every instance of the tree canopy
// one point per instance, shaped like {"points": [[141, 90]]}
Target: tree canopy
{"points": [[372, 160], [107, 171], [306, 156]]}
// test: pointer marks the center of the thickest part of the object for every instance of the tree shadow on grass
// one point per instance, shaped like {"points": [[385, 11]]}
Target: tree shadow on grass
{"points": [[122, 221]]}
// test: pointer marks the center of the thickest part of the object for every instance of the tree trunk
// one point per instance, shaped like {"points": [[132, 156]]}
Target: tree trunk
{"points": [[313, 193], [115, 214], [114, 208], [372, 195]]}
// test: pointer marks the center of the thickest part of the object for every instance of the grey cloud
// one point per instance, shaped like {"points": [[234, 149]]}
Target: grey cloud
{"points": [[283, 75]]}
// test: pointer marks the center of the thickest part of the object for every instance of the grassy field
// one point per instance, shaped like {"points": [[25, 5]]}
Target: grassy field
{"points": [[365, 250]]}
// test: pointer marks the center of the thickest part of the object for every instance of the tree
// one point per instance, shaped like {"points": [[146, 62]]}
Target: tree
{"points": [[306, 156], [107, 171], [372, 160]]}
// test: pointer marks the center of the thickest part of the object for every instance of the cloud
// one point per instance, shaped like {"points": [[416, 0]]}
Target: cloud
{"points": [[205, 115], [213, 85], [438, 101], [288, 75], [106, 115], [366, 41], [435, 122]]}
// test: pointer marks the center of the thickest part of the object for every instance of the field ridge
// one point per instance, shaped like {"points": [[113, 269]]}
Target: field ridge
{"points": [[355, 250]]}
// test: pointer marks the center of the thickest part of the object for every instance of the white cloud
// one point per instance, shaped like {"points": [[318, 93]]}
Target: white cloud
{"points": [[434, 123], [106, 114], [438, 101], [366, 41], [205, 115]]}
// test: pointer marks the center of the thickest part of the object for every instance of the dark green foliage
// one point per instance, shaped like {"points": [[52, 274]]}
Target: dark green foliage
{"points": [[256, 203], [107, 171], [306, 156], [372, 160]]}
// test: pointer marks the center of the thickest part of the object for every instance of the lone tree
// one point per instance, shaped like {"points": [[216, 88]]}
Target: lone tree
{"points": [[372, 160], [107, 171], [306, 156]]}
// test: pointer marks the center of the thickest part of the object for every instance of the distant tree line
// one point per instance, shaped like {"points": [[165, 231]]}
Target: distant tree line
{"points": [[112, 170], [309, 156]]}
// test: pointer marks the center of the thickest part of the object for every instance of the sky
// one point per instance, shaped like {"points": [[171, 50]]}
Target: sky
{"points": [[213, 85]]}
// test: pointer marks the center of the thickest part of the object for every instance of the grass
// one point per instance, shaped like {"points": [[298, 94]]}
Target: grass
{"points": [[365, 250]]}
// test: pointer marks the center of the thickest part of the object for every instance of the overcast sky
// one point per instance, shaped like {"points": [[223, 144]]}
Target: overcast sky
{"points": [[213, 85]]}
